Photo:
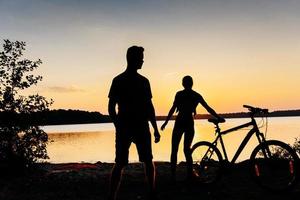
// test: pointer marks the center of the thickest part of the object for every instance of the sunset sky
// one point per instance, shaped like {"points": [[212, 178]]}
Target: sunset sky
{"points": [[238, 51]]}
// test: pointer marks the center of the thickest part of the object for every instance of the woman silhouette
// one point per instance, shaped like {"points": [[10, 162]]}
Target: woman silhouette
{"points": [[185, 104]]}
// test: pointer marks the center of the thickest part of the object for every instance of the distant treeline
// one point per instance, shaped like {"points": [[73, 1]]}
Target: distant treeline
{"points": [[56, 117], [280, 113], [73, 117]]}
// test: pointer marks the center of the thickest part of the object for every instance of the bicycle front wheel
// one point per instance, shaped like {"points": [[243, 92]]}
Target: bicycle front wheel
{"points": [[207, 162], [274, 165]]}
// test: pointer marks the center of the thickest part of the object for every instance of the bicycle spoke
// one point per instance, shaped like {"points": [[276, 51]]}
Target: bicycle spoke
{"points": [[273, 164], [207, 162]]}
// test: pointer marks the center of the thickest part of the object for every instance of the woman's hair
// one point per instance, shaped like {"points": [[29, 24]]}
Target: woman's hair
{"points": [[187, 82]]}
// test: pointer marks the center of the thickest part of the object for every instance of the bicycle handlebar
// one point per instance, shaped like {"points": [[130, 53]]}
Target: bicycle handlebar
{"points": [[255, 110], [252, 110]]}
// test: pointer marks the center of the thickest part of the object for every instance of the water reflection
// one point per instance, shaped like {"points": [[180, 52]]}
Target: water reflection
{"points": [[99, 144], [81, 146]]}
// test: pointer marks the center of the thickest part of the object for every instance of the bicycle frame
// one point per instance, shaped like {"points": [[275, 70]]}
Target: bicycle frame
{"points": [[273, 163], [254, 130]]}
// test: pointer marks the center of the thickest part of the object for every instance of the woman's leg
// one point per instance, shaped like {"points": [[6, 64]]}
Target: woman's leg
{"points": [[176, 137], [188, 139]]}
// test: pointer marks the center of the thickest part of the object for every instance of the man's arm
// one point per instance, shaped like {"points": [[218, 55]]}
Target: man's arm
{"points": [[153, 122], [112, 111]]}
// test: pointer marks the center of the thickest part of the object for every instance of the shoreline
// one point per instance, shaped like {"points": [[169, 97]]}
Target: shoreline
{"points": [[74, 181], [162, 118], [69, 117]]}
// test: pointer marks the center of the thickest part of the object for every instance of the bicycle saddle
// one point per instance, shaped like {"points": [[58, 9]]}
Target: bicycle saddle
{"points": [[216, 120]]}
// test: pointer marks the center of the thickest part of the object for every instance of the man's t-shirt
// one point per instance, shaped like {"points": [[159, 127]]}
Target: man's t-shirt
{"points": [[132, 93]]}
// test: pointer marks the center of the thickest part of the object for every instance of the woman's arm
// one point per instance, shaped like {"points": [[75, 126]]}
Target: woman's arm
{"points": [[172, 110], [208, 108]]}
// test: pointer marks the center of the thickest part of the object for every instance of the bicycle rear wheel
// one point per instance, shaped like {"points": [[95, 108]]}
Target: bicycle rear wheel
{"points": [[274, 165], [207, 162]]}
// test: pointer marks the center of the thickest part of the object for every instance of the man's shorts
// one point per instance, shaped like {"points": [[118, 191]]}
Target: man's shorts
{"points": [[142, 139]]}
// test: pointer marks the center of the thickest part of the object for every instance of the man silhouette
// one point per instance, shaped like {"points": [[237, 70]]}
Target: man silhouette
{"points": [[131, 92], [185, 104]]}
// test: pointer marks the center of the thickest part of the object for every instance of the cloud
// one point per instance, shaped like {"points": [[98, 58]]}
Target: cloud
{"points": [[171, 74], [68, 89]]}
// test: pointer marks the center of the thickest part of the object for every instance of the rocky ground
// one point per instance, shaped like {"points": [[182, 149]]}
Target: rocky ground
{"points": [[74, 181]]}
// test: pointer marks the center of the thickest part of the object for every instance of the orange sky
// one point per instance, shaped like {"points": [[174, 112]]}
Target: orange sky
{"points": [[238, 52]]}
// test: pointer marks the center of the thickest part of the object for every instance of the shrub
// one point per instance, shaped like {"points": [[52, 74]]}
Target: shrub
{"points": [[21, 140], [296, 145]]}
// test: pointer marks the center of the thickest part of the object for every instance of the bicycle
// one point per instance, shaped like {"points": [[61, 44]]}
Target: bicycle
{"points": [[273, 164]]}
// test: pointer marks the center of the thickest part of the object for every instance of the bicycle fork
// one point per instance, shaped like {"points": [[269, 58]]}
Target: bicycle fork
{"points": [[262, 140]]}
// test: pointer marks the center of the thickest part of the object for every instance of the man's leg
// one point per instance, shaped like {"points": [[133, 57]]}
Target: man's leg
{"points": [[122, 151], [144, 149], [150, 175], [115, 179]]}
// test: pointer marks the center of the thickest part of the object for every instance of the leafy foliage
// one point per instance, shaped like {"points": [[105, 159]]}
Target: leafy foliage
{"points": [[281, 153], [296, 145], [21, 141]]}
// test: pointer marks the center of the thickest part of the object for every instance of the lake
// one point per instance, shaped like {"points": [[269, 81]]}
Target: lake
{"points": [[95, 142]]}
